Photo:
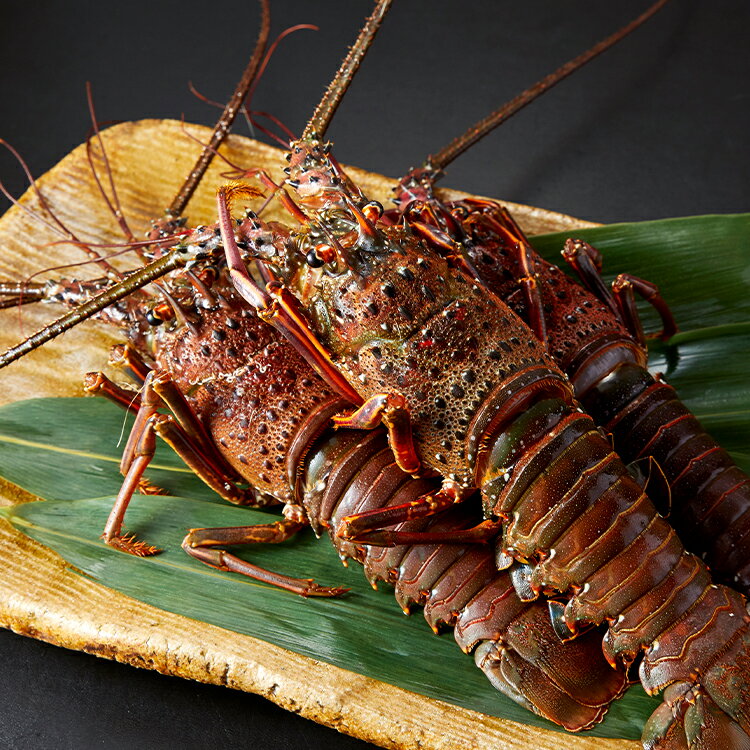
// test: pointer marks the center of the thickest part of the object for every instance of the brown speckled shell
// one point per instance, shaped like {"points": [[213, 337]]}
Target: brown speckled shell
{"points": [[574, 316], [433, 336], [252, 390]]}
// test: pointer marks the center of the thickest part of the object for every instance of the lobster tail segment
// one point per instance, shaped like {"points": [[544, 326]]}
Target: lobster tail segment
{"points": [[692, 721], [712, 711]]}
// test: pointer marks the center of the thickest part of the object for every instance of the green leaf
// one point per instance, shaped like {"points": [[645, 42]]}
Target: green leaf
{"points": [[364, 632], [66, 449], [701, 263], [64, 454]]}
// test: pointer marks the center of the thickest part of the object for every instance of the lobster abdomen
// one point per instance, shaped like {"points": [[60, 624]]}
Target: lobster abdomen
{"points": [[710, 493], [586, 527], [458, 585]]}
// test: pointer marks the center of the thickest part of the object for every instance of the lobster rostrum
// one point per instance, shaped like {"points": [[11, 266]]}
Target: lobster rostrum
{"points": [[596, 337], [250, 417], [465, 389]]}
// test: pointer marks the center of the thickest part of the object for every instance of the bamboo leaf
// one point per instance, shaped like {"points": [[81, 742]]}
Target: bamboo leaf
{"points": [[63, 458], [364, 632], [701, 263]]}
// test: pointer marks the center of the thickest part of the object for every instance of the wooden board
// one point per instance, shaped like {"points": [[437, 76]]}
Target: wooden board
{"points": [[41, 598]]}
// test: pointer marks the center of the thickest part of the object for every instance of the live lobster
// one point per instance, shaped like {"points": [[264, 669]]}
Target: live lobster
{"points": [[465, 389], [358, 217], [258, 414]]}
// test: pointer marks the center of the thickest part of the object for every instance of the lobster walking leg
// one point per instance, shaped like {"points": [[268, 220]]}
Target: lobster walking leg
{"points": [[624, 286], [98, 384], [201, 544], [140, 450], [391, 410]]}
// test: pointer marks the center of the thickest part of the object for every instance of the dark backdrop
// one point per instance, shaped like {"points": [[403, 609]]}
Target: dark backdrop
{"points": [[658, 127]]}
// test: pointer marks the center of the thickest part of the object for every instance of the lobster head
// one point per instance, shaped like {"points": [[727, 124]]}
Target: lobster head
{"points": [[415, 186], [315, 175], [377, 290]]}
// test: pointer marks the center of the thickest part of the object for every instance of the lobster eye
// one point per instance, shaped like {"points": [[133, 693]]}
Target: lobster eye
{"points": [[153, 319], [373, 211], [313, 260]]}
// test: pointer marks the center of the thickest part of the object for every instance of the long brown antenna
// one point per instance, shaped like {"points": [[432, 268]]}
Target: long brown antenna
{"points": [[227, 116], [457, 146], [175, 258], [136, 280], [325, 110]]}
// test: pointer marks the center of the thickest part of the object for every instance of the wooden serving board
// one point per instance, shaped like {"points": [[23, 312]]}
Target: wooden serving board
{"points": [[40, 597]]}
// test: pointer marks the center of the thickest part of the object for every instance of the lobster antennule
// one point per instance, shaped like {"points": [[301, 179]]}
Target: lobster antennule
{"points": [[325, 110], [476, 132]]}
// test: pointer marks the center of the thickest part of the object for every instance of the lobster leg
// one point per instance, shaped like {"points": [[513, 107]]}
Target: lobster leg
{"points": [[127, 358], [200, 543], [98, 384], [482, 532], [391, 410], [170, 394], [585, 260], [286, 200], [138, 454], [142, 451], [277, 306], [531, 291], [366, 527], [624, 286]]}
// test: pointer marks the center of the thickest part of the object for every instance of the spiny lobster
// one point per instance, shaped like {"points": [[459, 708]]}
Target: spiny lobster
{"points": [[465, 389], [256, 413], [354, 214], [595, 336]]}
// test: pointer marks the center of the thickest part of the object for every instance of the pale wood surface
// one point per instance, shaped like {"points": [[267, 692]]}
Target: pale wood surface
{"points": [[47, 601]]}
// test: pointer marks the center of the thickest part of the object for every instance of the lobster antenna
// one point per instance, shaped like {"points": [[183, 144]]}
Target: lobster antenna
{"points": [[325, 110], [136, 280], [224, 124], [457, 146]]}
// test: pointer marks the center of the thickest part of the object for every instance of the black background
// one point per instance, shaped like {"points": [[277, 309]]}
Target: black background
{"points": [[655, 128]]}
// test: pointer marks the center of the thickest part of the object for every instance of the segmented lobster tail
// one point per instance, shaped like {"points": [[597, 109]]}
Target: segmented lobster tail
{"points": [[709, 713], [710, 493], [458, 585], [586, 527], [693, 721]]}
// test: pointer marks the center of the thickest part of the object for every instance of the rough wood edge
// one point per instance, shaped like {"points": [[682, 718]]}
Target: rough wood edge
{"points": [[40, 597]]}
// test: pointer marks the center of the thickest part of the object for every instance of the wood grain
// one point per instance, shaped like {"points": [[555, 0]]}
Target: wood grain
{"points": [[40, 597]]}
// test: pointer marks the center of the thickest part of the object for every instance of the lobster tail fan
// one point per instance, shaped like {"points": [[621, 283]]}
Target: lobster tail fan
{"points": [[325, 110], [550, 682], [532, 667], [224, 123]]}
